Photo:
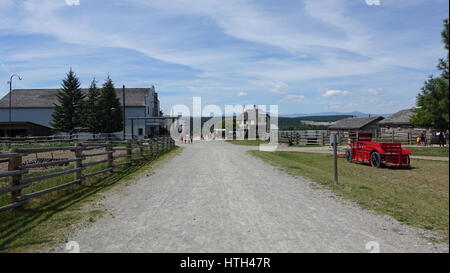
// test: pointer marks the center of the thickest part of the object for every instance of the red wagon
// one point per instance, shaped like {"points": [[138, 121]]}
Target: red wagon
{"points": [[377, 154]]}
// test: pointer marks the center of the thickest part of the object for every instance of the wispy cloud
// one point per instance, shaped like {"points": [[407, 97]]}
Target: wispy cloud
{"points": [[242, 94], [293, 98], [331, 93]]}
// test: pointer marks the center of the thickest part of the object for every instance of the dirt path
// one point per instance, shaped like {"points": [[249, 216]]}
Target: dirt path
{"points": [[215, 197]]}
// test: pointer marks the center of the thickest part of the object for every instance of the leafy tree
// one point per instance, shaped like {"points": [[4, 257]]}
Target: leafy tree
{"points": [[433, 100], [91, 109], [110, 110], [67, 113]]}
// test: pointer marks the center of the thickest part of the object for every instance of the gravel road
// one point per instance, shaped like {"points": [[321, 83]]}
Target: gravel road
{"points": [[215, 197]]}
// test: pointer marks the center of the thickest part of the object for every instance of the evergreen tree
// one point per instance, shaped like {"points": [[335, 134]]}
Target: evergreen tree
{"points": [[111, 113], [433, 101], [67, 113], [91, 109]]}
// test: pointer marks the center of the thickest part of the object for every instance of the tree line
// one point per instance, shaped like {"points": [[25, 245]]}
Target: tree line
{"points": [[96, 111]]}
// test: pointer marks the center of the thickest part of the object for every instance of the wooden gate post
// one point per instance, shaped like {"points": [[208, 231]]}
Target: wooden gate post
{"points": [[79, 162], [150, 147], [14, 165], [109, 156]]}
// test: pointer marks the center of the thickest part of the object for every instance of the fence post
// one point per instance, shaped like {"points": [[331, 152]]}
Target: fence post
{"points": [[110, 157], [13, 165], [141, 148], [150, 147], [78, 162], [129, 149], [157, 146]]}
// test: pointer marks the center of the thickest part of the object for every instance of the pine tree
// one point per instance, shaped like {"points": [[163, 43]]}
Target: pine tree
{"points": [[433, 100], [67, 113], [91, 109], [111, 113]]}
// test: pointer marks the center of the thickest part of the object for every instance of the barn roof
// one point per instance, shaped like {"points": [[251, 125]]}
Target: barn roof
{"points": [[354, 123], [402, 117], [45, 98]]}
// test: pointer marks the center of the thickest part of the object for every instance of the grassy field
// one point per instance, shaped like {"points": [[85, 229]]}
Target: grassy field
{"points": [[255, 142], [47, 220], [429, 151], [418, 196]]}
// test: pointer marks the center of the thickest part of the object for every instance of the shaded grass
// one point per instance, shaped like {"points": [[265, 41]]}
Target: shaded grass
{"points": [[254, 142], [48, 219], [429, 151], [416, 196]]}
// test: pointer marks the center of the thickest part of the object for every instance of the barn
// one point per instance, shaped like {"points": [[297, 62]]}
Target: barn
{"points": [[398, 127], [35, 106]]}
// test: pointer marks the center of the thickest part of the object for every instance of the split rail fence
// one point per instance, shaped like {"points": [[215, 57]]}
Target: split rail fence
{"points": [[115, 153], [304, 137]]}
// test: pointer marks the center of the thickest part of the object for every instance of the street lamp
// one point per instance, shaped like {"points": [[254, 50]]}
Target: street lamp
{"points": [[10, 91]]}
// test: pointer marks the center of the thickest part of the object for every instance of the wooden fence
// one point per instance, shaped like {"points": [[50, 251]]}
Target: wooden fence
{"points": [[132, 151], [304, 137]]}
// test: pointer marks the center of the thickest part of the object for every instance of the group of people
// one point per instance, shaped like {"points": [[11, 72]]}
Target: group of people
{"points": [[424, 140]]}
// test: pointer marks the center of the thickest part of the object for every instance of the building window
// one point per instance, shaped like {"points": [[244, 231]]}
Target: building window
{"points": [[140, 131]]}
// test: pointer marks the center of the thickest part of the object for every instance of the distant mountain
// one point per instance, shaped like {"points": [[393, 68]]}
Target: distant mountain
{"points": [[354, 113]]}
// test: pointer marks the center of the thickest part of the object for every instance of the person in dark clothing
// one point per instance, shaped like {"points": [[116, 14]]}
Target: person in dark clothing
{"points": [[423, 139], [441, 139]]}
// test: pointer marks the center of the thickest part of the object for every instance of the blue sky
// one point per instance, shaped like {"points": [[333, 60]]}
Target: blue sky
{"points": [[306, 56]]}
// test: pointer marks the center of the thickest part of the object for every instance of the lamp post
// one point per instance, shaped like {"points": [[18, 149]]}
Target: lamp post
{"points": [[10, 91]]}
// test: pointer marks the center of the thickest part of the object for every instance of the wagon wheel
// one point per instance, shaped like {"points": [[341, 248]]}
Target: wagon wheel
{"points": [[348, 155], [375, 159]]}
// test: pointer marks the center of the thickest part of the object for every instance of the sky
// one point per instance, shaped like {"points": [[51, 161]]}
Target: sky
{"points": [[306, 56]]}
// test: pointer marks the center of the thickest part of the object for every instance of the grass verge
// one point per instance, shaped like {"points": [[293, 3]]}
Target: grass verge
{"points": [[47, 221], [429, 151], [418, 197]]}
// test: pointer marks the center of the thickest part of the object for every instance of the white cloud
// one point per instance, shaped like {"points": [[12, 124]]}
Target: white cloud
{"points": [[375, 91], [242, 94], [293, 98], [331, 93], [278, 87]]}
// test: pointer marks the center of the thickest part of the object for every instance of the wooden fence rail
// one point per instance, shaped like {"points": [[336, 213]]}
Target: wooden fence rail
{"points": [[135, 151]]}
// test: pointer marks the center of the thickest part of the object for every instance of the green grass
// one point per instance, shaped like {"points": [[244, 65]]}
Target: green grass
{"points": [[6, 147], [47, 220], [429, 151], [247, 142], [416, 196]]}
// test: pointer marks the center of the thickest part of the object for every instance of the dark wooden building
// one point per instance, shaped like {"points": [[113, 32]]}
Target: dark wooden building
{"points": [[23, 129]]}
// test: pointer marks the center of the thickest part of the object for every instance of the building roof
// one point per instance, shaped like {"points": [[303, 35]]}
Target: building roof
{"points": [[46, 98], [354, 123], [402, 117]]}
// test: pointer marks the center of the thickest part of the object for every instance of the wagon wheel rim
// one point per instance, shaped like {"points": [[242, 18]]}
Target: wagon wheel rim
{"points": [[375, 160]]}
